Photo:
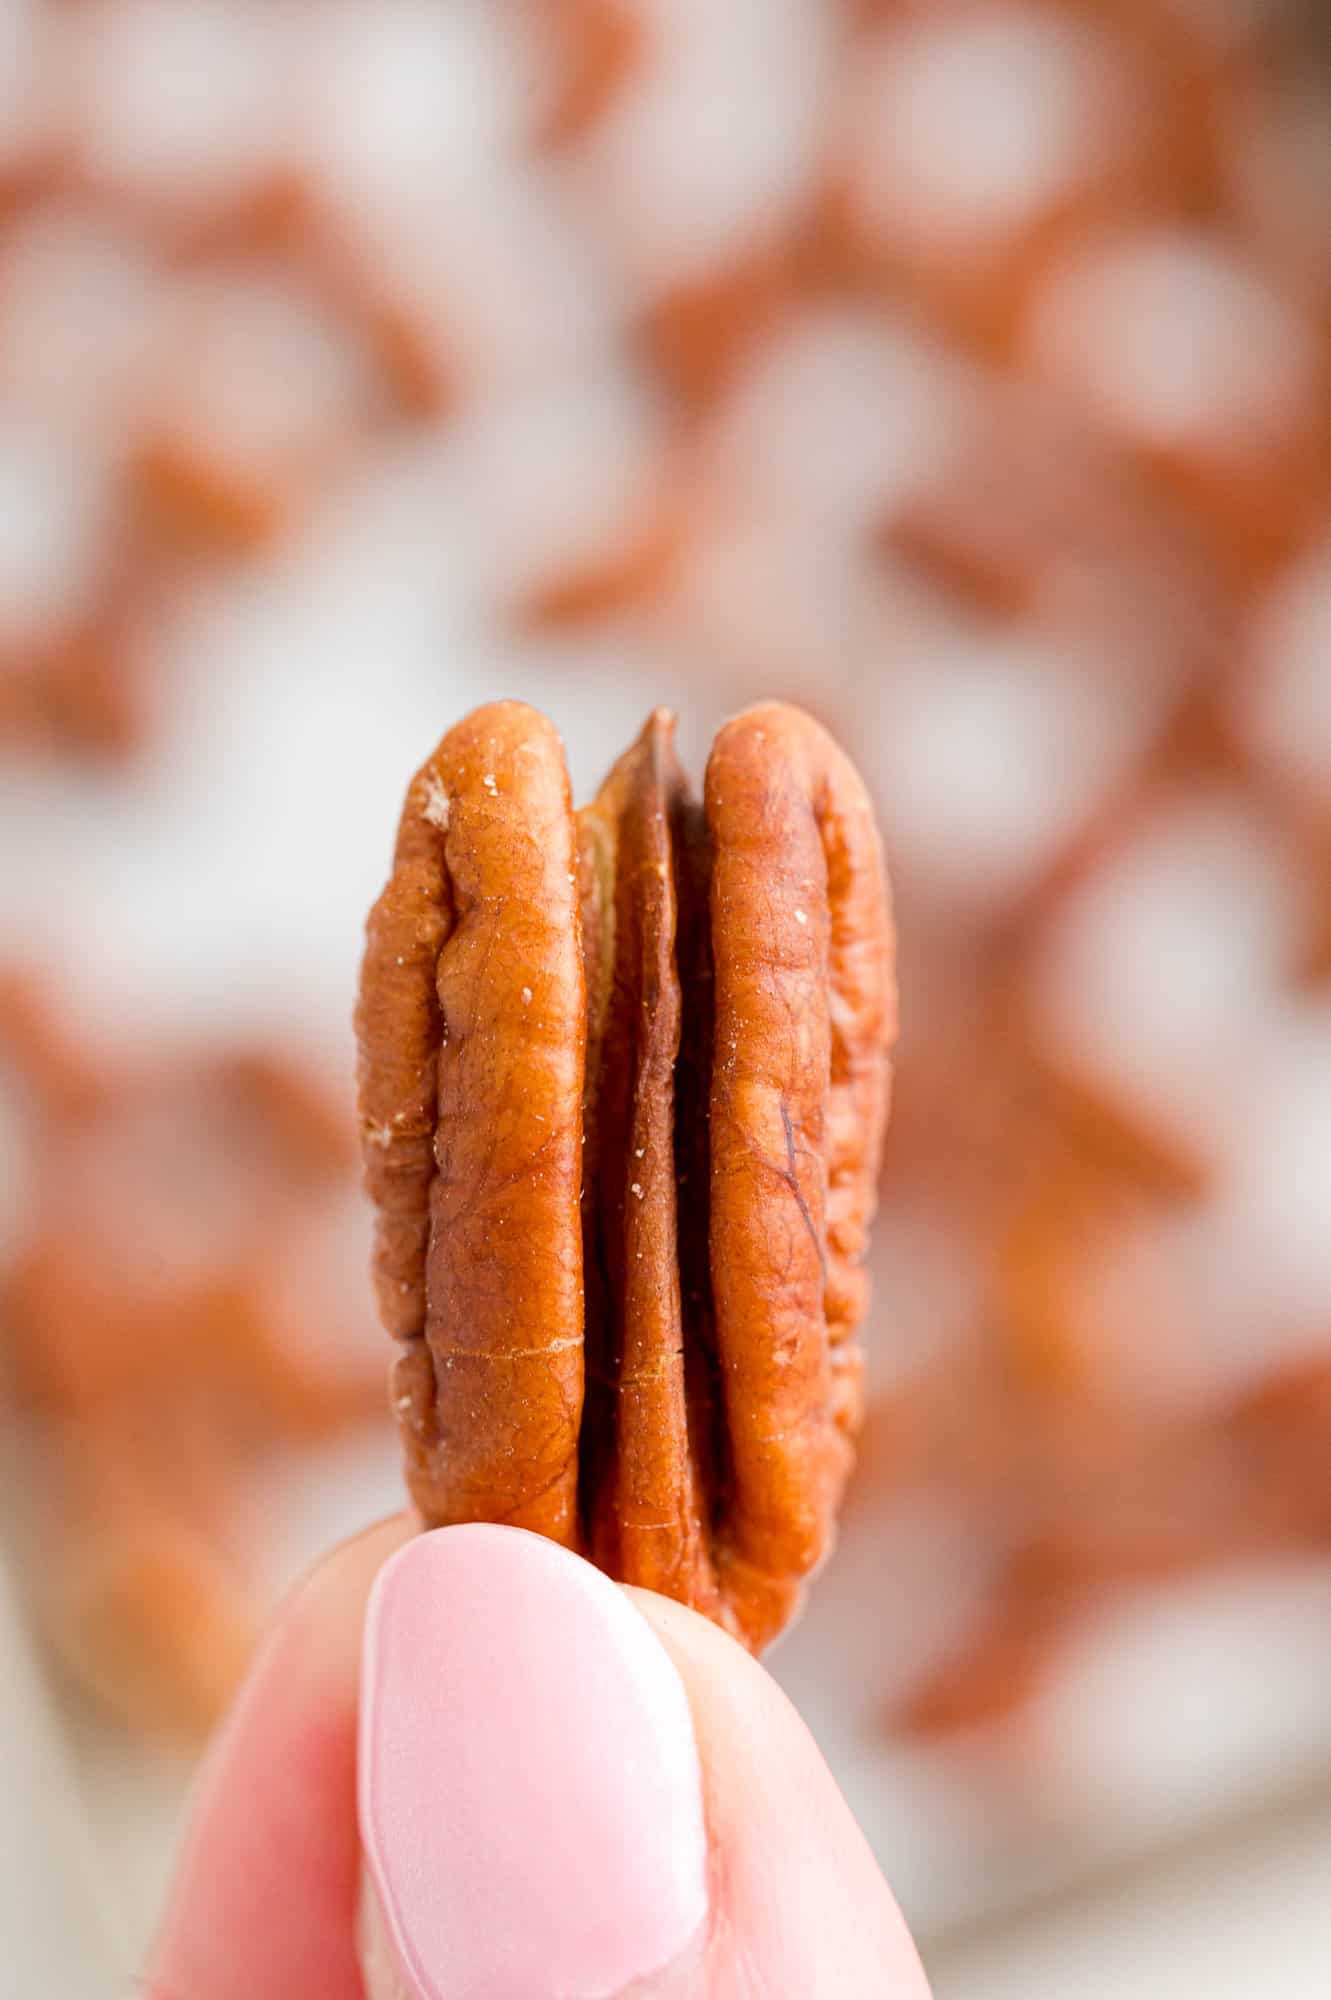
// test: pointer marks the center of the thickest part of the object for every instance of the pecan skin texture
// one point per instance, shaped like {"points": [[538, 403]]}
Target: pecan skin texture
{"points": [[472, 1028], [624, 1083]]}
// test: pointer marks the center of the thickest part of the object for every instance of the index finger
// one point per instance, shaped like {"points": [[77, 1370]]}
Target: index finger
{"points": [[263, 1906]]}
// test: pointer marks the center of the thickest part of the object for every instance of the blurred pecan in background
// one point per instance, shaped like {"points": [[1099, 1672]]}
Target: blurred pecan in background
{"points": [[179, 1316], [624, 1081]]}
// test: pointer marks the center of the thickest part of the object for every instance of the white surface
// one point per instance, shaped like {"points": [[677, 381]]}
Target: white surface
{"points": [[1226, 1925], [52, 1916], [1034, 106], [1175, 341]]}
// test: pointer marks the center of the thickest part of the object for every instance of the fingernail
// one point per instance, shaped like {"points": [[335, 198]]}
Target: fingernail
{"points": [[530, 1796]]}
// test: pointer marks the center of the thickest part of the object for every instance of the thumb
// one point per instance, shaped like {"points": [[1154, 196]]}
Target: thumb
{"points": [[799, 1902], [573, 1791]]}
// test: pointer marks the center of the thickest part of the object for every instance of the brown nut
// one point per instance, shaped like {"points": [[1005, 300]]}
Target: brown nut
{"points": [[624, 1083]]}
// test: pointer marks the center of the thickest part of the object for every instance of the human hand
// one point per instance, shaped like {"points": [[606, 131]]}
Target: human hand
{"points": [[567, 1791]]}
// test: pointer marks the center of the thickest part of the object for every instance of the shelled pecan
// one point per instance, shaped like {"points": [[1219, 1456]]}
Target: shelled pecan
{"points": [[624, 1080]]}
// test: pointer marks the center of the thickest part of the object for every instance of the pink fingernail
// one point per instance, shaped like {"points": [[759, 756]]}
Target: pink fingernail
{"points": [[530, 1796]]}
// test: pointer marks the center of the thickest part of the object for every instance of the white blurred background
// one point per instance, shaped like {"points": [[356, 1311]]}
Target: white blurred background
{"points": [[961, 370]]}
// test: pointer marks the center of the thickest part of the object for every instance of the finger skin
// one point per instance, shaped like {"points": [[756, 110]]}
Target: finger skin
{"points": [[801, 1906], [263, 1905], [265, 1898]]}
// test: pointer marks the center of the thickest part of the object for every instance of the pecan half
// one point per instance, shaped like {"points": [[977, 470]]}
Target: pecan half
{"points": [[624, 1083]]}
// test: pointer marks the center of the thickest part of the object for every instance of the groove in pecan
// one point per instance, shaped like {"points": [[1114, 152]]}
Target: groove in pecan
{"points": [[643, 1485], [684, 1036]]}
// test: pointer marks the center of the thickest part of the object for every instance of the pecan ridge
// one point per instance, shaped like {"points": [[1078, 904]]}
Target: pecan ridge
{"points": [[624, 1084]]}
